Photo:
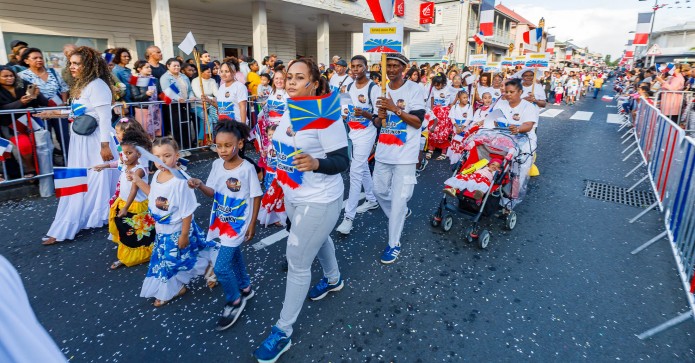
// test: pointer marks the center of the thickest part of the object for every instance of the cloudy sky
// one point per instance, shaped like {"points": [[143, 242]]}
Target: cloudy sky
{"points": [[602, 25]]}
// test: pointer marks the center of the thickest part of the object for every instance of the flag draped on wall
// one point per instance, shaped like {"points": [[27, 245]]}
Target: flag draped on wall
{"points": [[644, 21]]}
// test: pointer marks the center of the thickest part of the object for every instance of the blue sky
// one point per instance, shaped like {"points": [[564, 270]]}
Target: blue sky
{"points": [[602, 25]]}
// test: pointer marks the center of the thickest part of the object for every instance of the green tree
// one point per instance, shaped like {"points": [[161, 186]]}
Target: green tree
{"points": [[608, 60]]}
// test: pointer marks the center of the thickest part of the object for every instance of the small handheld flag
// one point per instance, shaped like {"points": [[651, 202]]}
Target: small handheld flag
{"points": [[108, 57], [141, 81], [69, 181], [668, 68], [170, 94], [5, 146], [55, 101], [314, 113], [146, 155], [533, 36], [479, 38]]}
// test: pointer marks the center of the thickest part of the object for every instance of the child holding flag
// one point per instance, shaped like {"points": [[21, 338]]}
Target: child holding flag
{"points": [[130, 223], [233, 184], [180, 252]]}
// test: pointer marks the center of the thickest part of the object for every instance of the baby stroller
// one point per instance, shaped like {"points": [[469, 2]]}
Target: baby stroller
{"points": [[484, 144]]}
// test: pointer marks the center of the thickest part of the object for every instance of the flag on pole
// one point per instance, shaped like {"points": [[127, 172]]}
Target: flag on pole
{"points": [[147, 156], [169, 94], [533, 36], [5, 146], [311, 113], [69, 181], [188, 43], [630, 51], [108, 57], [142, 81], [669, 68], [487, 17], [382, 10], [479, 38], [550, 46], [644, 21]]}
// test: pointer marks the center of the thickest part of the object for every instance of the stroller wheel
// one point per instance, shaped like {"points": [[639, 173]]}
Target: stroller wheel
{"points": [[447, 222], [510, 221], [484, 239], [435, 221]]}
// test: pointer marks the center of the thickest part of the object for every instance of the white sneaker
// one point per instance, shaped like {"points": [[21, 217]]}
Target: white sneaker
{"points": [[345, 227], [367, 206]]}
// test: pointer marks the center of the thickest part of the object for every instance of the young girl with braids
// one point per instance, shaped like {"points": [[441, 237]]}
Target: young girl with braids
{"points": [[180, 251], [130, 224], [234, 186]]}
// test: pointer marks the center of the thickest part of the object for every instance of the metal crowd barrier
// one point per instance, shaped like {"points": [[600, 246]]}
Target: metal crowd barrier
{"points": [[181, 120], [669, 157]]}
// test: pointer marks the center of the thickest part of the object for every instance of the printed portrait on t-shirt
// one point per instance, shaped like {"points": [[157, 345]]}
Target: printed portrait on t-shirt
{"points": [[234, 184], [278, 96], [289, 131], [401, 104], [516, 117], [362, 98], [162, 203], [226, 94]]}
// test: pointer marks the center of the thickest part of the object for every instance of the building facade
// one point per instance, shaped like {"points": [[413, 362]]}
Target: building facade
{"points": [[676, 43], [287, 28]]}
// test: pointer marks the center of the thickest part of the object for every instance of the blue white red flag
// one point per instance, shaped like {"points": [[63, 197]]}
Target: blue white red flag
{"points": [[5, 146], [479, 38], [69, 181], [314, 113], [382, 10], [669, 68], [644, 21], [142, 81], [533, 36], [108, 57], [170, 93], [487, 17]]}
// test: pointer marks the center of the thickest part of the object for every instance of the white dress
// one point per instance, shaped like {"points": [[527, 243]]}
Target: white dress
{"points": [[91, 209]]}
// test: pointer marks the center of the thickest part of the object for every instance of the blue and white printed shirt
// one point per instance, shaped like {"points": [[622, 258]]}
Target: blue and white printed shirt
{"points": [[54, 84]]}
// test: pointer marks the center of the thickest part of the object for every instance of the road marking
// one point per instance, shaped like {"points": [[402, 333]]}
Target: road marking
{"points": [[614, 118], [582, 116], [551, 112], [611, 106], [282, 234]]}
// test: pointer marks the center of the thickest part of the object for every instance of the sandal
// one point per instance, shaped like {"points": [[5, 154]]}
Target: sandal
{"points": [[428, 155], [117, 264], [159, 303], [441, 157], [47, 241], [210, 277]]}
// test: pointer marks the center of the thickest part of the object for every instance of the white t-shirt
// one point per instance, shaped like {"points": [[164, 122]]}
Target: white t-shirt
{"points": [[461, 115], [362, 127], [524, 112], [453, 91], [307, 186], [439, 97], [233, 201], [340, 82], [480, 114], [126, 186], [170, 203], [209, 85], [399, 143], [229, 97], [538, 92], [96, 94], [276, 105]]}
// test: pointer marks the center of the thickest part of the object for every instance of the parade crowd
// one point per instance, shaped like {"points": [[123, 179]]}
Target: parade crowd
{"points": [[314, 122]]}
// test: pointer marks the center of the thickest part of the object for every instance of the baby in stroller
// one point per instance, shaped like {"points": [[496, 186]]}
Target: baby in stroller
{"points": [[475, 179]]}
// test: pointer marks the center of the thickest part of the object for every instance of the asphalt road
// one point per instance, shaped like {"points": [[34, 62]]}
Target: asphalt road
{"points": [[562, 286]]}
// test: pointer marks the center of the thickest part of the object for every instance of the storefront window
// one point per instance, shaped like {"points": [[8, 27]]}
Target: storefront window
{"points": [[52, 45]]}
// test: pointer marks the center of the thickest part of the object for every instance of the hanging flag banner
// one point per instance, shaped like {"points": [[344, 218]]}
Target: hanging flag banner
{"points": [[427, 13], [537, 60], [492, 67], [399, 7], [507, 61], [550, 44], [477, 60], [382, 38], [382, 10], [519, 60], [644, 21], [487, 17]]}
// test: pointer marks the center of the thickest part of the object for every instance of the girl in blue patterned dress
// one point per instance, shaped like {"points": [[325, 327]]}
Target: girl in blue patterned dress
{"points": [[180, 252]]}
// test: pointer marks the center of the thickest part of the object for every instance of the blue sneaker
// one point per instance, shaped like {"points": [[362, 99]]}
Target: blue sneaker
{"points": [[322, 288], [273, 346], [408, 213], [390, 254]]}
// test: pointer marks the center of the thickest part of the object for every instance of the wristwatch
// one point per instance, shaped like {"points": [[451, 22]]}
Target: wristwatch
{"points": [[399, 113]]}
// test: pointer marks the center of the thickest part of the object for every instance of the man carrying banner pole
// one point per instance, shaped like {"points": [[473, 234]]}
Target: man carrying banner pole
{"points": [[401, 112]]}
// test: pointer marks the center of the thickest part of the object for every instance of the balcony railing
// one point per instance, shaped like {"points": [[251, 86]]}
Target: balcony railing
{"points": [[500, 37]]}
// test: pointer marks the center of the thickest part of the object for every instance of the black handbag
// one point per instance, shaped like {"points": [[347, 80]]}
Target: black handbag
{"points": [[84, 125]]}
